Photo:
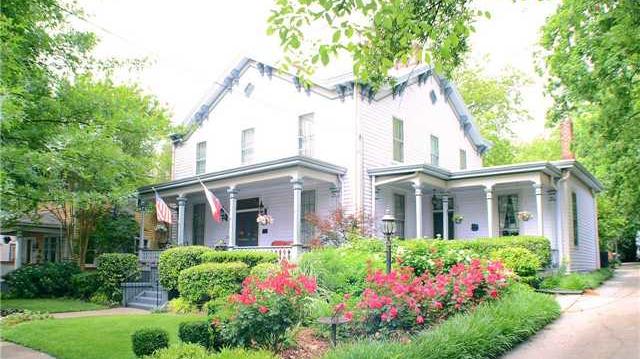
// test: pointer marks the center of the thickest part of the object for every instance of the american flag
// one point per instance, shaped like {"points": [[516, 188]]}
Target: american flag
{"points": [[163, 212], [214, 203]]}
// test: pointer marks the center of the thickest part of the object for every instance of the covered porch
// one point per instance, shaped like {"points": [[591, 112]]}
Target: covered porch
{"points": [[430, 202], [286, 190]]}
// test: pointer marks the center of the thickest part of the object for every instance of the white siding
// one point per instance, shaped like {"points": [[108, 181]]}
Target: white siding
{"points": [[472, 205], [583, 256]]}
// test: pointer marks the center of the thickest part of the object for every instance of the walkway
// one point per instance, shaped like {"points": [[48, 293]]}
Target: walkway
{"points": [[600, 325], [100, 313], [15, 351]]}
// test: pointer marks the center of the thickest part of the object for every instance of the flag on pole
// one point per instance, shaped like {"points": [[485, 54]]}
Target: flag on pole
{"points": [[163, 212], [214, 203]]}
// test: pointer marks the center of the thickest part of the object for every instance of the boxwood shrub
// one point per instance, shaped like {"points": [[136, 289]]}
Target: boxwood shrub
{"points": [[174, 260], [211, 280], [148, 340], [113, 269], [521, 261], [42, 280], [85, 284], [250, 258], [196, 333]]}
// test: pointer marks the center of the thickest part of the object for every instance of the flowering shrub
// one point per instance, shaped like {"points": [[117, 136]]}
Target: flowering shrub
{"points": [[336, 228], [265, 309], [401, 300], [424, 257]]}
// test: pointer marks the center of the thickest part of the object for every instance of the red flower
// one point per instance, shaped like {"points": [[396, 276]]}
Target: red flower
{"points": [[347, 296], [494, 293], [348, 315], [420, 319], [263, 309]]}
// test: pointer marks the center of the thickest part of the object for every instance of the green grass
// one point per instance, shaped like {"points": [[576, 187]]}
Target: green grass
{"points": [[51, 305], [488, 332], [577, 281], [90, 337]]}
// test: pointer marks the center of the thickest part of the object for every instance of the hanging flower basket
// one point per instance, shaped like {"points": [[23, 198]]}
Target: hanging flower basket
{"points": [[457, 219], [264, 219], [525, 216], [161, 228]]}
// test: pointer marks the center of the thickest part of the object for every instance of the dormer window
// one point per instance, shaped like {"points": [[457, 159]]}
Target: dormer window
{"points": [[398, 140], [201, 157], [305, 135], [433, 97], [247, 146]]}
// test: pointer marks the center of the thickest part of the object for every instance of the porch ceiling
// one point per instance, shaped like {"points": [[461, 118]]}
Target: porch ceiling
{"points": [[297, 167]]}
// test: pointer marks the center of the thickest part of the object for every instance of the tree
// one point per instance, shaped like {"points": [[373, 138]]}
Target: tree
{"points": [[114, 232], [70, 143], [593, 59], [375, 34]]}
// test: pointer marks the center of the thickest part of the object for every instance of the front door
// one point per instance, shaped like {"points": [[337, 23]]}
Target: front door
{"points": [[246, 228], [437, 225]]}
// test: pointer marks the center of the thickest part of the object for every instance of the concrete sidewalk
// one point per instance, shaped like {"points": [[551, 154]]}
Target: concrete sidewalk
{"points": [[15, 351], [100, 313], [599, 325]]}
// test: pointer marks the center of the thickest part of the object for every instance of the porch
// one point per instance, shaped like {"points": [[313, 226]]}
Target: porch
{"points": [[286, 190]]}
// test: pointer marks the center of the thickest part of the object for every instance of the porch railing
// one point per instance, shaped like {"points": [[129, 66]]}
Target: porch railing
{"points": [[149, 256], [283, 252]]}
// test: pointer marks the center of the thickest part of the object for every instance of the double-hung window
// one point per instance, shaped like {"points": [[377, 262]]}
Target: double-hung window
{"points": [[305, 135], [508, 208], [435, 151], [463, 159], [574, 217], [50, 249], [398, 140], [247, 145], [201, 157], [399, 213], [307, 208]]}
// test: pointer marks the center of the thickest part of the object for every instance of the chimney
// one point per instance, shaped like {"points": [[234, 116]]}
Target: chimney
{"points": [[566, 137]]}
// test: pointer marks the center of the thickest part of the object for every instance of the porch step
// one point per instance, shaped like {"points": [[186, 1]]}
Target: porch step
{"points": [[149, 299]]}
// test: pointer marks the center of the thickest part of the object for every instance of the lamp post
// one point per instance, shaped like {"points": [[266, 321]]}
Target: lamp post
{"points": [[388, 229]]}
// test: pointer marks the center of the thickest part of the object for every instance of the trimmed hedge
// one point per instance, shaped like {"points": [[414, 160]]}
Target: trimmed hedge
{"points": [[113, 269], [196, 333], [211, 280], [263, 270], [85, 284], [174, 260], [521, 261], [488, 332], [250, 258], [42, 280], [147, 341]]}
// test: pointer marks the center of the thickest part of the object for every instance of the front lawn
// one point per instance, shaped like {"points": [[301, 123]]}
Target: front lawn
{"points": [[51, 305], [577, 281], [90, 337]]}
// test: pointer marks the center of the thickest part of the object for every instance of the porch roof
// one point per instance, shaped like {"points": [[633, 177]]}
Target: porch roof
{"points": [[553, 169], [253, 169]]}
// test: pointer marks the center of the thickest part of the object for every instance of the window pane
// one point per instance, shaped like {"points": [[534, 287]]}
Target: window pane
{"points": [[308, 206], [305, 135], [247, 145], [398, 140], [399, 213], [574, 213], [435, 150], [508, 208], [201, 157], [463, 159]]}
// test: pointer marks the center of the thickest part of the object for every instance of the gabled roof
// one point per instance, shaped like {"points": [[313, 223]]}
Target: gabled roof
{"points": [[339, 87]]}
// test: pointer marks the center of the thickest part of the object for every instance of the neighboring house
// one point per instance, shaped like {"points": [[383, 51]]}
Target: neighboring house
{"points": [[262, 142], [31, 241]]}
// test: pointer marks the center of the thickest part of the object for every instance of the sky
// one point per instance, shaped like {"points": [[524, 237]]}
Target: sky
{"points": [[191, 44]]}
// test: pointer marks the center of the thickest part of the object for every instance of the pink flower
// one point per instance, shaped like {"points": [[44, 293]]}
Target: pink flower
{"points": [[393, 312], [339, 308], [348, 315], [420, 319], [263, 309], [494, 293], [347, 296]]}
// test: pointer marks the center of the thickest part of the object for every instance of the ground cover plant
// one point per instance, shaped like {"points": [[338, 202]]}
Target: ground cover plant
{"points": [[91, 337], [577, 281], [50, 305], [194, 351], [487, 332]]}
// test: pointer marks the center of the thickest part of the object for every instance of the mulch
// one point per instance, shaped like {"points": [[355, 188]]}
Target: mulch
{"points": [[309, 345]]}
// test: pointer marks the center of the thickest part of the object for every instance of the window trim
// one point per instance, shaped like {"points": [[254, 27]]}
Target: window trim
{"points": [[397, 157], [246, 152], [201, 157], [574, 219], [435, 157]]}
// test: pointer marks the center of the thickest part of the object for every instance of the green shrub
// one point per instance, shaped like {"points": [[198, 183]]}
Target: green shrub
{"points": [[211, 280], [85, 284], [42, 280], [488, 332], [250, 258], [102, 299], [521, 261], [577, 281], [340, 270], [113, 269], [263, 270], [193, 351], [196, 333], [181, 306], [148, 340], [424, 256], [174, 260]]}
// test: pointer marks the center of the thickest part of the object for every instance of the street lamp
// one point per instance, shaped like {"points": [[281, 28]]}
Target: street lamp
{"points": [[388, 229]]}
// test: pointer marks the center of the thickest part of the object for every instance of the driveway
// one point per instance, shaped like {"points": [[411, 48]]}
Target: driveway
{"points": [[600, 325]]}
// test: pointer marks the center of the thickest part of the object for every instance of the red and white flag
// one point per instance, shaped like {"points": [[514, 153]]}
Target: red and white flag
{"points": [[214, 203], [163, 212]]}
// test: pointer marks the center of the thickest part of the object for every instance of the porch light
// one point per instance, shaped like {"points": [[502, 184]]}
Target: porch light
{"points": [[388, 229]]}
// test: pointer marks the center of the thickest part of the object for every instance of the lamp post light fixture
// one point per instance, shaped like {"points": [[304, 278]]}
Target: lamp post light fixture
{"points": [[388, 229]]}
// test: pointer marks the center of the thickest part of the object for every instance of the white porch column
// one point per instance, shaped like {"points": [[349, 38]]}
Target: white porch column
{"points": [[418, 189], [142, 210], [489, 194], [445, 216], [182, 201], [233, 201], [297, 205], [539, 212], [17, 261]]}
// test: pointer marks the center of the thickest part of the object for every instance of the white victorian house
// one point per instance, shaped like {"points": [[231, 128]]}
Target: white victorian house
{"points": [[263, 143]]}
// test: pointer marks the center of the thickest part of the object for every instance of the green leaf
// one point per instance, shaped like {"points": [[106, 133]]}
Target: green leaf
{"points": [[294, 42], [336, 36]]}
